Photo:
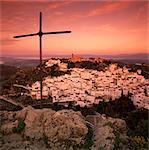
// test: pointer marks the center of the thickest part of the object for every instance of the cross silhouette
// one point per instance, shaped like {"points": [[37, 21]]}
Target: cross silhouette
{"points": [[40, 34]]}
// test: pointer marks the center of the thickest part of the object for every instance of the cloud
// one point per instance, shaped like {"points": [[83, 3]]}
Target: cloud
{"points": [[59, 4], [142, 12], [25, 1], [109, 28], [107, 8], [100, 8], [58, 13]]}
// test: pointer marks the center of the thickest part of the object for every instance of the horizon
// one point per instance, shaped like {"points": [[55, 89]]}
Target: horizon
{"points": [[117, 56], [98, 28]]}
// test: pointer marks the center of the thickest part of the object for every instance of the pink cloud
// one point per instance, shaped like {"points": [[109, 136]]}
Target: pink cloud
{"points": [[59, 4], [58, 13], [99, 9], [142, 12], [108, 8]]}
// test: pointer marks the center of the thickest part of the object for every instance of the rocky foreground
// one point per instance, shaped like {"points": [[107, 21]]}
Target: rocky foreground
{"points": [[43, 129]]}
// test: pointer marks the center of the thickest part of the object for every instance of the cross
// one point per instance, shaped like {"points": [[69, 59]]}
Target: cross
{"points": [[40, 34]]}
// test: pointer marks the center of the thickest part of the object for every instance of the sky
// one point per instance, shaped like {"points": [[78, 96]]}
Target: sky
{"points": [[98, 27]]}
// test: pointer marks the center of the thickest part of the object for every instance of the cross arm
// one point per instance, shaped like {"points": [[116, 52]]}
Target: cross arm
{"points": [[19, 36], [57, 32]]}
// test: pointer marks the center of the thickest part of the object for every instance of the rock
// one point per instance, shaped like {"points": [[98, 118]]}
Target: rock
{"points": [[67, 126], [109, 133], [119, 123], [8, 127], [34, 122], [17, 142], [104, 138], [22, 114], [6, 117], [64, 127]]}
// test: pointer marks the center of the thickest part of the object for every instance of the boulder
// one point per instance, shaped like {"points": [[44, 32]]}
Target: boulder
{"points": [[6, 117], [22, 114], [64, 127], [104, 138], [109, 133], [34, 121], [8, 127], [33, 124], [119, 123]]}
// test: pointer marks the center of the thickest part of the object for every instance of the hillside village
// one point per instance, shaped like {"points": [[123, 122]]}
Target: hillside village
{"points": [[86, 87], [87, 104]]}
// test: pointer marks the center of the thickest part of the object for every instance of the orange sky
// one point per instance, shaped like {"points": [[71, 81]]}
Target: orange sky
{"points": [[98, 27]]}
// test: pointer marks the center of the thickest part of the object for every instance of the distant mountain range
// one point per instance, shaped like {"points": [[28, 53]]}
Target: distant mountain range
{"points": [[129, 56], [121, 56], [33, 61], [12, 61]]}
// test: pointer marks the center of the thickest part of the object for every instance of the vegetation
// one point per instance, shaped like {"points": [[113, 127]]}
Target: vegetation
{"points": [[117, 135], [88, 140], [87, 111], [45, 140], [138, 142], [143, 67], [117, 108], [20, 128], [6, 71], [136, 120], [1, 137], [89, 65]]}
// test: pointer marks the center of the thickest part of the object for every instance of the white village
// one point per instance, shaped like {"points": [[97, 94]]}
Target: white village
{"points": [[85, 87]]}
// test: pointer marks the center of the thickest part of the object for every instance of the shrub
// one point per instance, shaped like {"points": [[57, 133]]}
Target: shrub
{"points": [[20, 127], [88, 141], [138, 142], [45, 140], [137, 122]]}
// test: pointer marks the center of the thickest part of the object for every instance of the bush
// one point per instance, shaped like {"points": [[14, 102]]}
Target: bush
{"points": [[20, 128], [88, 140], [137, 122], [138, 142], [45, 140]]}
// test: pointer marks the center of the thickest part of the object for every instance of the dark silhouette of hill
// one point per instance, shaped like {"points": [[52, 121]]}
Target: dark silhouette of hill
{"points": [[17, 62], [6, 71]]}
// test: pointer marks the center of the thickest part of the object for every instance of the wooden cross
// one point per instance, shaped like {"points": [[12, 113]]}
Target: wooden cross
{"points": [[40, 34]]}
